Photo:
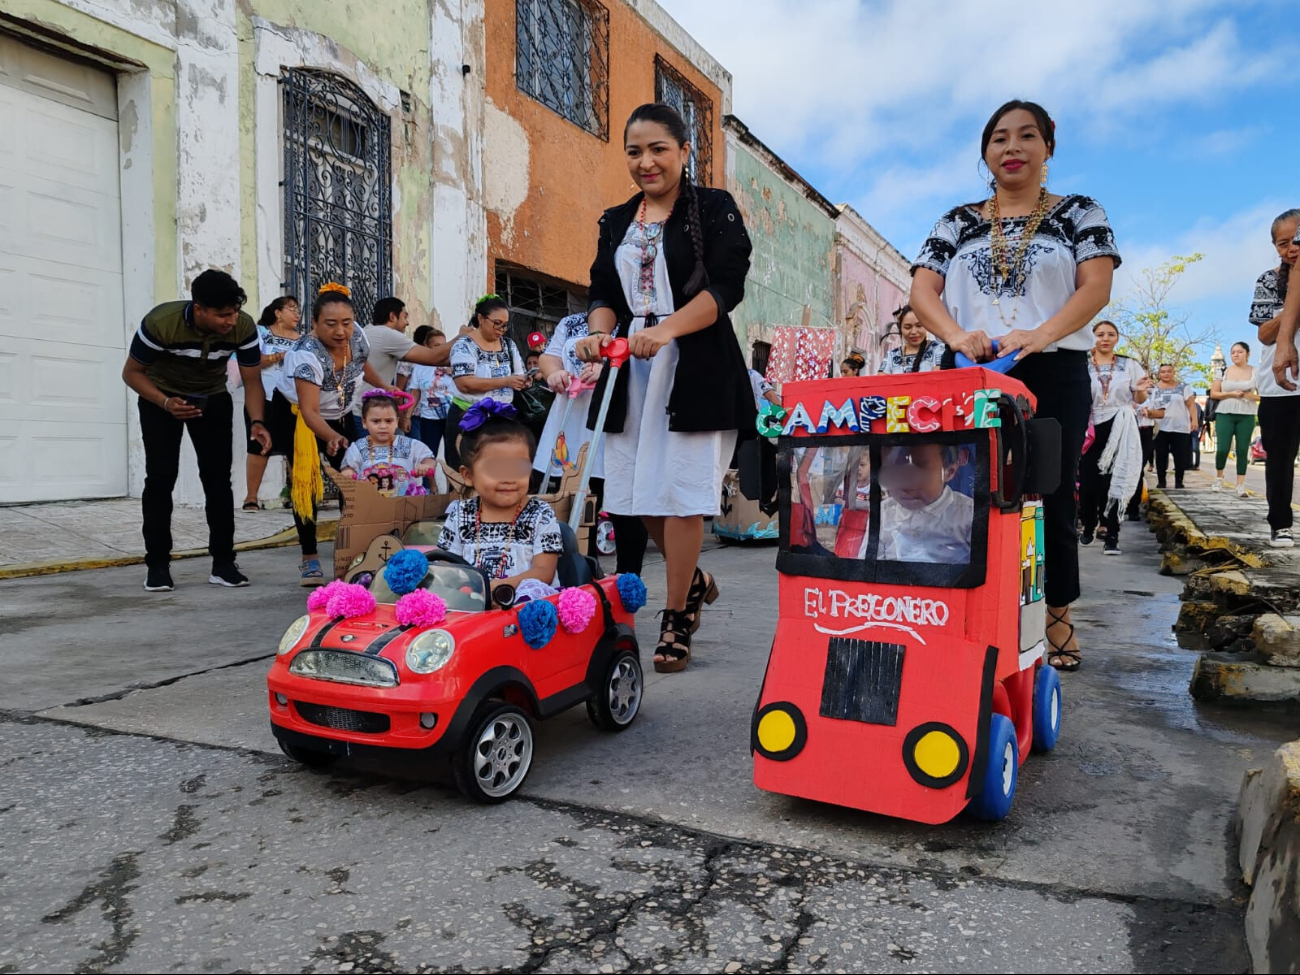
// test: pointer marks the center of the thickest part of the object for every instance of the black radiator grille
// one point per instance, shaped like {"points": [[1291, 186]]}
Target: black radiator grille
{"points": [[862, 681], [343, 719]]}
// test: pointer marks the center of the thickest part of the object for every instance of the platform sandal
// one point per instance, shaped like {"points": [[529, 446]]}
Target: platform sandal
{"points": [[704, 589], [674, 643], [1060, 657]]}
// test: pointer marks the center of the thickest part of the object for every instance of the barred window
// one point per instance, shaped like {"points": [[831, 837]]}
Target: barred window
{"points": [[536, 303], [696, 111], [562, 59]]}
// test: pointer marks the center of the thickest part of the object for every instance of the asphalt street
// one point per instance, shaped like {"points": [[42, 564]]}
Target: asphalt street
{"points": [[149, 823]]}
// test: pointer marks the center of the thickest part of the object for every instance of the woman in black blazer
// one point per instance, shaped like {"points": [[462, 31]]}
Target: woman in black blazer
{"points": [[670, 266]]}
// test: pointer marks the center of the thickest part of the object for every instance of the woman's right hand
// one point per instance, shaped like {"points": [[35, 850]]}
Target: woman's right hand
{"points": [[588, 348], [517, 382], [559, 380], [975, 346], [336, 444]]}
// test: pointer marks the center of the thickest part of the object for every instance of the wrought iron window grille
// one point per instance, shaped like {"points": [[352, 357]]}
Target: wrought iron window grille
{"points": [[696, 110], [562, 59], [536, 304]]}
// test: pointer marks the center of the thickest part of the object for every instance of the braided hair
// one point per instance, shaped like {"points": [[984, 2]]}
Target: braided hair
{"points": [[668, 117], [1284, 269]]}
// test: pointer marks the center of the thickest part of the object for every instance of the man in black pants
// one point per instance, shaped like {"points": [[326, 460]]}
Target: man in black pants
{"points": [[177, 365]]}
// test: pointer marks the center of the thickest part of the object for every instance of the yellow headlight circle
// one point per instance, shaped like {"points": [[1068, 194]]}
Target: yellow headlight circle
{"points": [[776, 731], [430, 651], [292, 635], [937, 754]]}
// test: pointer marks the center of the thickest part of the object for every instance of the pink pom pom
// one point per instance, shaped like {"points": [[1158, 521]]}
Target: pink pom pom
{"points": [[349, 600], [577, 607], [320, 598], [421, 608]]}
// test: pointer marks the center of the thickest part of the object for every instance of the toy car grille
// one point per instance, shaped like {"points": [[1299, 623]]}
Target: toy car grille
{"points": [[343, 719], [862, 681]]}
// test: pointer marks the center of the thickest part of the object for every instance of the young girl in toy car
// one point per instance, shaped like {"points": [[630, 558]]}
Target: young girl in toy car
{"points": [[393, 461]]}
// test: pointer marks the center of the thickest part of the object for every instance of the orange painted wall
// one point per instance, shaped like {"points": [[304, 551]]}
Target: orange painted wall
{"points": [[574, 175]]}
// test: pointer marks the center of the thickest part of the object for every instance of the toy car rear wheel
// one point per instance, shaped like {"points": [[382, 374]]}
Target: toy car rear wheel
{"points": [[618, 702], [605, 543], [496, 756], [309, 757], [1000, 773], [1047, 708]]}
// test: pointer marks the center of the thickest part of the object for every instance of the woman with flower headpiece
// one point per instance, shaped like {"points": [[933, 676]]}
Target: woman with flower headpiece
{"points": [[485, 364], [1027, 269], [309, 412]]}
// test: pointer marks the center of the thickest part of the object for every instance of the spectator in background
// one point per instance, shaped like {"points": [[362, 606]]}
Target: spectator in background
{"points": [[485, 363], [177, 366], [1235, 396], [1173, 405], [434, 389], [277, 329], [389, 345]]}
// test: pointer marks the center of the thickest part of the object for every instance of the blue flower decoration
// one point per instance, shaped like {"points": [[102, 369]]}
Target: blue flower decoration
{"points": [[537, 622], [405, 571], [631, 590]]}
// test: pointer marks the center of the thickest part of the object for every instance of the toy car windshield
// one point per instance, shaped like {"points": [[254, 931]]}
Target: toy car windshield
{"points": [[423, 533], [462, 588]]}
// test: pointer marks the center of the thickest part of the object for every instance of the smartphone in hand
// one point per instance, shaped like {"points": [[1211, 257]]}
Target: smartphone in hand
{"points": [[196, 400]]}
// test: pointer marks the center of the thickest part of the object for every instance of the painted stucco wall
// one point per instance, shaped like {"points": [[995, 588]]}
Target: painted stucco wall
{"points": [[547, 180], [871, 282], [793, 260]]}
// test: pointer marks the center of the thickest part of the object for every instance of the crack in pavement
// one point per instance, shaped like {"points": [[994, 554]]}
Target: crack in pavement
{"points": [[114, 885], [153, 685]]}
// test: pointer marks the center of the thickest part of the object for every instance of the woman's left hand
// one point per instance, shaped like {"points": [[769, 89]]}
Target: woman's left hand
{"points": [[645, 343], [1023, 342]]}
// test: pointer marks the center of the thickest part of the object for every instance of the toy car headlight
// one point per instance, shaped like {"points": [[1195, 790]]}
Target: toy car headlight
{"points": [[293, 634], [430, 651]]}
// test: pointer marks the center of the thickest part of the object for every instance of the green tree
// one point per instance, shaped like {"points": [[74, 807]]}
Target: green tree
{"points": [[1155, 332]]}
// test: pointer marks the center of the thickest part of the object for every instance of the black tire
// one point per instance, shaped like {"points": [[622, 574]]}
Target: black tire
{"points": [[496, 755], [309, 757], [618, 700]]}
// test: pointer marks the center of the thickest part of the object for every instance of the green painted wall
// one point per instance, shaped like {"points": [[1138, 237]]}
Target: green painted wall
{"points": [[792, 263]]}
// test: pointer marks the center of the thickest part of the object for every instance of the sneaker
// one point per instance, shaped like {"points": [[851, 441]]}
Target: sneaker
{"points": [[1112, 547], [228, 574], [1241, 490], [1281, 538], [311, 573], [1218, 485], [158, 579], [1085, 538], [1178, 485]]}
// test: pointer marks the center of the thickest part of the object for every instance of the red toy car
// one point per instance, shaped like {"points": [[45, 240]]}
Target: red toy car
{"points": [[468, 687], [906, 676], [1257, 454]]}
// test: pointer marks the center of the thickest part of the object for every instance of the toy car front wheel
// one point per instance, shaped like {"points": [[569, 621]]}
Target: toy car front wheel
{"points": [[1047, 708], [309, 757], [1000, 774], [496, 757], [618, 701]]}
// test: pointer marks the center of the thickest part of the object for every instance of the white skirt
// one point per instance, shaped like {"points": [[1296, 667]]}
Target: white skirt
{"points": [[652, 471], [575, 435]]}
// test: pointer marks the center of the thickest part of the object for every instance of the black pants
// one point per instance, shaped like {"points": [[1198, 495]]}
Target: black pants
{"points": [[1147, 436], [1279, 432], [1094, 486], [282, 423], [451, 447], [631, 537], [1059, 381], [1178, 444], [210, 435], [1194, 450]]}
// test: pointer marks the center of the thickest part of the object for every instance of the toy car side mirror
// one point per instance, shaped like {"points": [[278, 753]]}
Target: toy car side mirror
{"points": [[1043, 469]]}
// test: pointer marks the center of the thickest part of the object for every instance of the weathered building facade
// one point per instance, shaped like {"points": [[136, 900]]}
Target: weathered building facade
{"points": [[872, 281], [562, 78]]}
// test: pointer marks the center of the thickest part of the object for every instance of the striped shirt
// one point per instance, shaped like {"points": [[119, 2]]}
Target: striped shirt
{"points": [[180, 359]]}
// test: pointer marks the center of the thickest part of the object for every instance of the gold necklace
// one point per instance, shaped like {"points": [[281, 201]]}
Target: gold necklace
{"points": [[1012, 273]]}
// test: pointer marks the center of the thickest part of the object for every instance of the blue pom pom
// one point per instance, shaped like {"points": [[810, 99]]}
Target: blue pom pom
{"points": [[631, 590], [405, 571], [537, 622]]}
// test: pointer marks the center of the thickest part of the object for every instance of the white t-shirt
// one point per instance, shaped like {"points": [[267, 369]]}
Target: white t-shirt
{"points": [[387, 347], [1113, 386], [436, 391], [896, 363], [501, 548], [960, 249], [1174, 402], [939, 532], [468, 358], [1264, 307], [551, 454], [310, 360], [273, 344]]}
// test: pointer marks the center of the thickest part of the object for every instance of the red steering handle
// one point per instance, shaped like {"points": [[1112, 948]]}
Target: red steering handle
{"points": [[616, 351]]}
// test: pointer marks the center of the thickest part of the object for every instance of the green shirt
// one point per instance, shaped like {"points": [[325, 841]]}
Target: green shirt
{"points": [[180, 358]]}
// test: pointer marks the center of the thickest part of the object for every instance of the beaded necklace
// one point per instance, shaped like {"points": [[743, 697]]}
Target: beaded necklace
{"points": [[648, 239], [478, 532], [1012, 273], [1104, 377]]}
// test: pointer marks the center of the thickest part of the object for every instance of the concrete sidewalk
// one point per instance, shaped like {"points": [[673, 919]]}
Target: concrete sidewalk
{"points": [[39, 539]]}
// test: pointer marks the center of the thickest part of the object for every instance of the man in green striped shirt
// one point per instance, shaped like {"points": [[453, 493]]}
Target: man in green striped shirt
{"points": [[177, 365]]}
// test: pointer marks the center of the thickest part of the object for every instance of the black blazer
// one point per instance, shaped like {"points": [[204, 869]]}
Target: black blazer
{"points": [[711, 389]]}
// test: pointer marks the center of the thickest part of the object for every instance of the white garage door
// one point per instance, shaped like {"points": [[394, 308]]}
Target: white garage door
{"points": [[62, 333]]}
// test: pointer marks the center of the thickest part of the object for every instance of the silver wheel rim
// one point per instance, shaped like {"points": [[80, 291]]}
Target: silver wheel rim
{"points": [[1008, 768], [605, 538], [624, 691], [502, 755]]}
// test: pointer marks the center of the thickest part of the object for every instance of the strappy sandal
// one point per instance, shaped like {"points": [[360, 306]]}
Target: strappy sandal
{"points": [[1059, 657], [251, 505], [674, 643], [704, 589]]}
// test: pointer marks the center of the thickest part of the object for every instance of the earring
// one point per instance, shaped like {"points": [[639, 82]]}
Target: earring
{"points": [[1043, 181]]}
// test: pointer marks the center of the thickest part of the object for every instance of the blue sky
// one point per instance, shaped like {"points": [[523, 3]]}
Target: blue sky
{"points": [[1181, 117]]}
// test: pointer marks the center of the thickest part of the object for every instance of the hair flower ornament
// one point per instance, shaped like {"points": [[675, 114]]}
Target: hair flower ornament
{"points": [[484, 410], [342, 289]]}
